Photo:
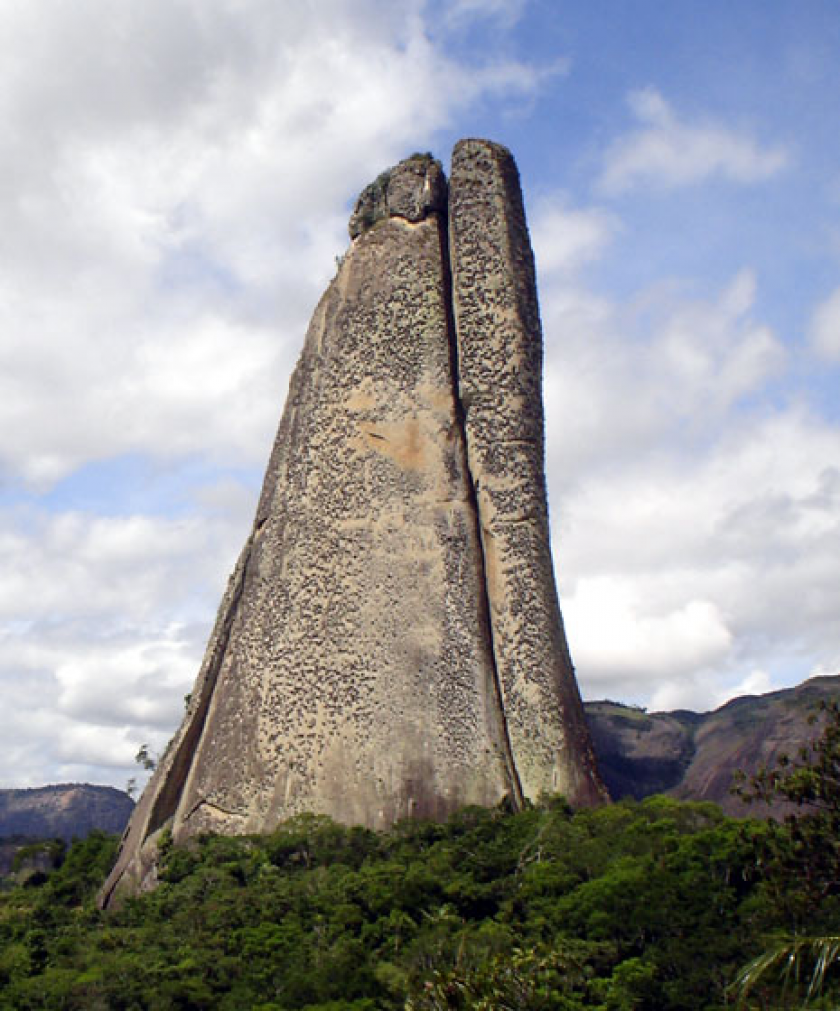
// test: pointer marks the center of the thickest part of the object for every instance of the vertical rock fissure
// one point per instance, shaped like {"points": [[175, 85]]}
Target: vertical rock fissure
{"points": [[390, 641], [170, 795], [517, 795], [174, 772]]}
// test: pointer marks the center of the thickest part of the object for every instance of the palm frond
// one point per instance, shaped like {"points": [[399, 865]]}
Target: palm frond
{"points": [[791, 960]]}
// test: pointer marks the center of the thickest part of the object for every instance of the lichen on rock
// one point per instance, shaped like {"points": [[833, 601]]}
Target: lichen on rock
{"points": [[411, 190], [390, 644]]}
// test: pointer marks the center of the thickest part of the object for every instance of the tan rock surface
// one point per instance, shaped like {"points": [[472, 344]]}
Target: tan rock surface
{"points": [[499, 353], [352, 669]]}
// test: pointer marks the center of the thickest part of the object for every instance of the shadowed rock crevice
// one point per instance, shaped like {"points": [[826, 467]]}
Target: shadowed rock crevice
{"points": [[391, 644], [515, 793], [499, 339], [160, 799]]}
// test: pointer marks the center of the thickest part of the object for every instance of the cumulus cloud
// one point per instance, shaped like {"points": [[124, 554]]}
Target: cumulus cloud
{"points": [[566, 238], [666, 151], [682, 575], [71, 565], [695, 691], [661, 369], [171, 182], [825, 328], [102, 626], [695, 522], [622, 638]]}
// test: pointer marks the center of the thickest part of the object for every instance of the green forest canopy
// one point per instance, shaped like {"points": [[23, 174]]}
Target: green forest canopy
{"points": [[637, 905]]}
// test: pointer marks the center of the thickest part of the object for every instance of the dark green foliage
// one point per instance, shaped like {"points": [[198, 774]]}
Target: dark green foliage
{"points": [[648, 905], [48, 853], [800, 963], [807, 845]]}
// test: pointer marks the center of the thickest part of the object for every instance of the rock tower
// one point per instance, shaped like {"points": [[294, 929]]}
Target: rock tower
{"points": [[390, 643]]}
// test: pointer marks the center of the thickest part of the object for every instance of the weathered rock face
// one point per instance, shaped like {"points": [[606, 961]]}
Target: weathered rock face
{"points": [[390, 642], [499, 351]]}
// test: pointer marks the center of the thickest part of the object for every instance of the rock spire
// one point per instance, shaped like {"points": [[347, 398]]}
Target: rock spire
{"points": [[390, 643]]}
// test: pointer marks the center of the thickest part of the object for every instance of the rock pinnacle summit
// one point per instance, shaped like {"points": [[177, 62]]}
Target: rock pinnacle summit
{"points": [[390, 643]]}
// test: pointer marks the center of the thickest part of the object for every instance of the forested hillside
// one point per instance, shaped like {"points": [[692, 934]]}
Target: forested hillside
{"points": [[638, 905], [653, 904]]}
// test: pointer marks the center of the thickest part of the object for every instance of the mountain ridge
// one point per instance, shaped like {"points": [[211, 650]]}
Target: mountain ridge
{"points": [[673, 756], [59, 811], [693, 756]]}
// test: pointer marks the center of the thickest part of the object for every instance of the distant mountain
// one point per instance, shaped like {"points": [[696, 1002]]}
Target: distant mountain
{"points": [[65, 811], [692, 756]]}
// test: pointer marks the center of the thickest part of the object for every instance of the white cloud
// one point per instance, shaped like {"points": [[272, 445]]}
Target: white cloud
{"points": [[695, 532], [114, 684], [666, 151], [706, 691], [717, 350], [825, 328], [757, 682], [73, 565], [565, 238], [103, 622], [622, 379], [617, 639], [750, 525], [681, 574], [694, 529], [172, 177], [172, 183]]}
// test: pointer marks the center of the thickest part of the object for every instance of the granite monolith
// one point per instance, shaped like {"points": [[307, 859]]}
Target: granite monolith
{"points": [[390, 644]]}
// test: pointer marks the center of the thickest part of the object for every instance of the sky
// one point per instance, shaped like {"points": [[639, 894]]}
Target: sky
{"points": [[175, 182]]}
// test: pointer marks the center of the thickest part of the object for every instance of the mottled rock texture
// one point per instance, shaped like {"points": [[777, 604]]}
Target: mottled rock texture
{"points": [[390, 643], [499, 353]]}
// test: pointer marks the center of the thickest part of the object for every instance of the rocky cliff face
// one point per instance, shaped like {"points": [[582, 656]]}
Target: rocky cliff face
{"points": [[693, 756], [63, 812], [390, 643]]}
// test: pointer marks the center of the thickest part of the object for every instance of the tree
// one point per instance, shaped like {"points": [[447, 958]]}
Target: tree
{"points": [[800, 964], [145, 759], [808, 846], [803, 867]]}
